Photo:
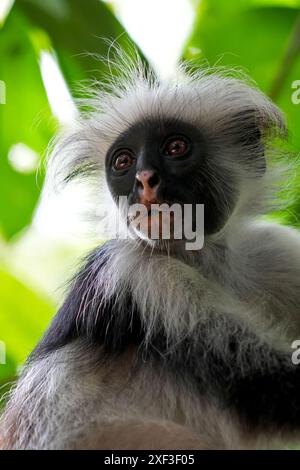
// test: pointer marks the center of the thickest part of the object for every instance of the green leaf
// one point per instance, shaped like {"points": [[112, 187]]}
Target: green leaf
{"points": [[75, 30], [78, 32], [256, 39], [24, 316], [252, 38], [25, 118]]}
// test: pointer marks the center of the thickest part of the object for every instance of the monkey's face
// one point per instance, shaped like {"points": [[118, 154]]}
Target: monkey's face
{"points": [[167, 162], [200, 138]]}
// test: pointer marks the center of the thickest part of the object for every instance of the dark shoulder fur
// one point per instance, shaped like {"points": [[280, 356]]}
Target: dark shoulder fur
{"points": [[85, 315]]}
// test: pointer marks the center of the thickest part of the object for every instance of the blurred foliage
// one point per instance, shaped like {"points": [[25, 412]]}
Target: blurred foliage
{"points": [[24, 314], [262, 37], [75, 31], [25, 101], [72, 29]]}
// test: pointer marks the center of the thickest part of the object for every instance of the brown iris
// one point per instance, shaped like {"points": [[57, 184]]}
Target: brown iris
{"points": [[176, 147], [123, 161]]}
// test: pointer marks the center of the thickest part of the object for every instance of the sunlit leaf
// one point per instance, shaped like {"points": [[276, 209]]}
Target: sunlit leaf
{"points": [[24, 315], [25, 118], [79, 31], [254, 36]]}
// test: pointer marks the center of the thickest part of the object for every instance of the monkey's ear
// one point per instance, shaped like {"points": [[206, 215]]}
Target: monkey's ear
{"points": [[271, 120], [257, 128], [260, 123]]}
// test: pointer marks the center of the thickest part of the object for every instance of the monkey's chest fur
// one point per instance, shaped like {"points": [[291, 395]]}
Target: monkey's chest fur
{"points": [[153, 339], [148, 339]]}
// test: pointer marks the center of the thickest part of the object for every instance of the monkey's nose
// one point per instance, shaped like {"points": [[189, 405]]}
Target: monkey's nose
{"points": [[148, 183]]}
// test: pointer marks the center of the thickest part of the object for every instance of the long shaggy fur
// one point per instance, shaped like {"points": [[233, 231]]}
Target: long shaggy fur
{"points": [[76, 396]]}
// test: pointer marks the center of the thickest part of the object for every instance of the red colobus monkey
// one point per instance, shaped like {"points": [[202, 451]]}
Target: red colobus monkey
{"points": [[157, 346]]}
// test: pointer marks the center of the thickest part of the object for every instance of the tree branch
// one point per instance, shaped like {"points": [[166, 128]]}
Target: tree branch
{"points": [[288, 60]]}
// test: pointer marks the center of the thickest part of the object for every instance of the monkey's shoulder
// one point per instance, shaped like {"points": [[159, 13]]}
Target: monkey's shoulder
{"points": [[269, 244], [87, 313]]}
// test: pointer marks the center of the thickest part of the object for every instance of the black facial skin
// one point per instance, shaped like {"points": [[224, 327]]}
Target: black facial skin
{"points": [[185, 179]]}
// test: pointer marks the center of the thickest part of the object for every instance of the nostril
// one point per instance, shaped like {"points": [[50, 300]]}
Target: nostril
{"points": [[147, 179], [153, 180], [139, 183]]}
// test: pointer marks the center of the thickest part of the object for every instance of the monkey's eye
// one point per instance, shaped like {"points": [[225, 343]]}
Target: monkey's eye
{"points": [[123, 160], [176, 146]]}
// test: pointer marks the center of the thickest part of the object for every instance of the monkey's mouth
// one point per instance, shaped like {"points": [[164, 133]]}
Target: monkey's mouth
{"points": [[154, 223]]}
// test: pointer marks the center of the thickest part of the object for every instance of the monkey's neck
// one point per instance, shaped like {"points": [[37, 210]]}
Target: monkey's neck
{"points": [[212, 252]]}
